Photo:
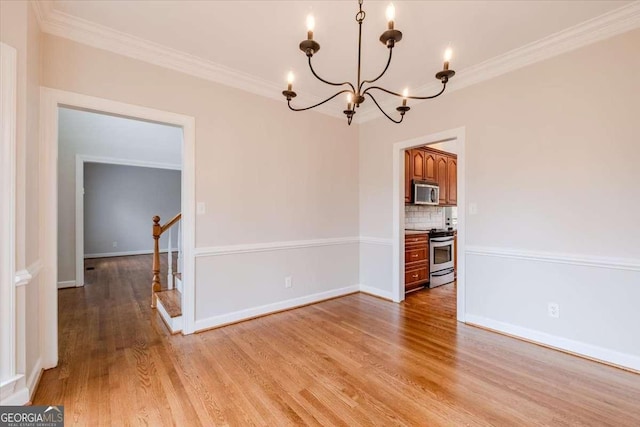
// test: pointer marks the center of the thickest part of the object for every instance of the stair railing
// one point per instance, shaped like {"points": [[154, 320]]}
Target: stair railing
{"points": [[157, 231]]}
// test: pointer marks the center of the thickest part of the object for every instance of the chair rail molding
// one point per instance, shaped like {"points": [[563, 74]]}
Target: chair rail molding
{"points": [[376, 241], [557, 258], [273, 246]]}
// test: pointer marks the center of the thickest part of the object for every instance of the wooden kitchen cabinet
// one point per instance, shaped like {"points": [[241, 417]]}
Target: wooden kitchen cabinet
{"points": [[416, 261], [452, 181], [417, 164], [433, 166], [441, 177], [430, 173]]}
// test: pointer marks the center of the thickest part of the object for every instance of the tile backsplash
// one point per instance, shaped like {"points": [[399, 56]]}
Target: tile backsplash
{"points": [[423, 217]]}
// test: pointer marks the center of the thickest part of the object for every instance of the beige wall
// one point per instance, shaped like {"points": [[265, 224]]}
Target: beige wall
{"points": [[265, 173], [564, 132], [552, 155]]}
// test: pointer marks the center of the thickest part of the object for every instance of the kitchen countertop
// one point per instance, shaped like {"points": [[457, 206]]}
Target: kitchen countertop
{"points": [[408, 232], [412, 232]]}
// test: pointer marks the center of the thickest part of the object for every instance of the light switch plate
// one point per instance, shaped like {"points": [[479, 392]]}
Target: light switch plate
{"points": [[473, 208], [200, 208]]}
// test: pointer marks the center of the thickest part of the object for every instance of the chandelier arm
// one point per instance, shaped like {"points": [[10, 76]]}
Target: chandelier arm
{"points": [[381, 74], [383, 112], [319, 103], [328, 82], [444, 86]]}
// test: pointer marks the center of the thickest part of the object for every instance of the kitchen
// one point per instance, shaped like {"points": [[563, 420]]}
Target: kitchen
{"points": [[430, 216]]}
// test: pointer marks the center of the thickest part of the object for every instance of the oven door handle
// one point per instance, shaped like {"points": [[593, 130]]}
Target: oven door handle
{"points": [[442, 272], [442, 239]]}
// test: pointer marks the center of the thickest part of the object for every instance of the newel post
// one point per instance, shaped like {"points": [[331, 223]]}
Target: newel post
{"points": [[155, 284]]}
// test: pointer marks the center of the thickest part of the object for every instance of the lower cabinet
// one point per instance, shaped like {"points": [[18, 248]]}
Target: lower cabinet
{"points": [[416, 261]]}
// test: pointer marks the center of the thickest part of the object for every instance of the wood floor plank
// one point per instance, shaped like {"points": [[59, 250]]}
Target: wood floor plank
{"points": [[355, 360]]}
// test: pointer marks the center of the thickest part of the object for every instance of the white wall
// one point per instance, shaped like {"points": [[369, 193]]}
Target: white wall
{"points": [[119, 202], [100, 135], [267, 176], [552, 160]]}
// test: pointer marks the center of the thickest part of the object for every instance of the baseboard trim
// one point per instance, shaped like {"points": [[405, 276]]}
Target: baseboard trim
{"points": [[588, 351], [126, 253], [386, 295], [263, 310], [67, 284], [14, 391], [34, 379]]}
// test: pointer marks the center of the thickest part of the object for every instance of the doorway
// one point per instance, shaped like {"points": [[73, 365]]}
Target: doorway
{"points": [[51, 103], [451, 138]]}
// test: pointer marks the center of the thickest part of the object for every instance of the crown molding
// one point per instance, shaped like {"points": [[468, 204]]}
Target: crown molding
{"points": [[42, 9], [71, 27], [616, 22], [67, 26]]}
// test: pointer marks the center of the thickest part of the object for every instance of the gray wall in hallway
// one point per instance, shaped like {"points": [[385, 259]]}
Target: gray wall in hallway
{"points": [[119, 202]]}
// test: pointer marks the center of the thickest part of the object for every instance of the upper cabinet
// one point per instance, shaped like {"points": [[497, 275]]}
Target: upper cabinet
{"points": [[438, 167], [452, 181], [417, 164], [441, 178], [430, 167]]}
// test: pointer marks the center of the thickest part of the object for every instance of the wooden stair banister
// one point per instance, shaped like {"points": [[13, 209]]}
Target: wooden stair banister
{"points": [[157, 231], [170, 223]]}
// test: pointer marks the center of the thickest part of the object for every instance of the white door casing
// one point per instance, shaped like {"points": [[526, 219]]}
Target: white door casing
{"points": [[397, 289], [8, 116], [51, 100]]}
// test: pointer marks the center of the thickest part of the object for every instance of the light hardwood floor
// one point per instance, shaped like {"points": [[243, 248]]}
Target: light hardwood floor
{"points": [[355, 360]]}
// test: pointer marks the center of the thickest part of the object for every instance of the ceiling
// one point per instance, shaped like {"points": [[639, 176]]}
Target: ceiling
{"points": [[118, 137], [260, 38]]}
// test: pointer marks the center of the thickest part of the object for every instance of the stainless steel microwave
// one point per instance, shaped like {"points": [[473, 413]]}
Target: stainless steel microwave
{"points": [[425, 193]]}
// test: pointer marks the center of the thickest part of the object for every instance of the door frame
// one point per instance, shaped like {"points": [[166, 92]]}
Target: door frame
{"points": [[50, 101], [81, 159], [10, 314], [458, 135]]}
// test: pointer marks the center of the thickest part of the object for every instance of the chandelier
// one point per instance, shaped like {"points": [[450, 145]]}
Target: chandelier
{"points": [[356, 93]]}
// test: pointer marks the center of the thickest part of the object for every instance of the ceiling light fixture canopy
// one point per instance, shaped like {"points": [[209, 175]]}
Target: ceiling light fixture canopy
{"points": [[356, 93]]}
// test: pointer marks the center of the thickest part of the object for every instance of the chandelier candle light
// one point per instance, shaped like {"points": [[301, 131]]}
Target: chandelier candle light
{"points": [[356, 93]]}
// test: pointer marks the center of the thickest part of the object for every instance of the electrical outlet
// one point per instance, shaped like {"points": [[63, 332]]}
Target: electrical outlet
{"points": [[287, 282], [115, 244], [200, 208], [473, 208], [553, 309]]}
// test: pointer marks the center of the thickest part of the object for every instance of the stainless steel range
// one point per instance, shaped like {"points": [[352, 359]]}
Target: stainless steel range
{"points": [[441, 253]]}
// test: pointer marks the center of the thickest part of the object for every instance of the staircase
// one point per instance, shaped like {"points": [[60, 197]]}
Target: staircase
{"points": [[168, 300]]}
